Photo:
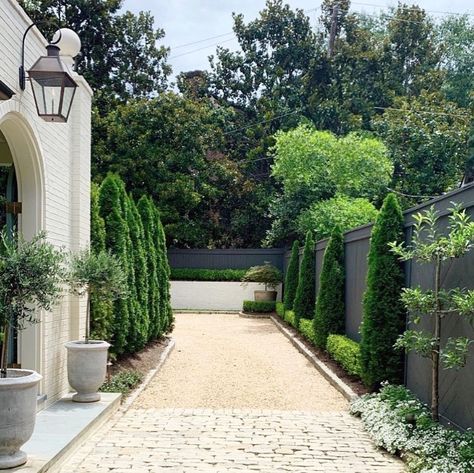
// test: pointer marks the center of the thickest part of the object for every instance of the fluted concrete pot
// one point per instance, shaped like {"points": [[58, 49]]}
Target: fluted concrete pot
{"points": [[86, 368], [265, 296], [17, 414]]}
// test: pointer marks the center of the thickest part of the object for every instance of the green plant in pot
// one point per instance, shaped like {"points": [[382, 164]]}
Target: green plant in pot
{"points": [[265, 274], [99, 275], [31, 277]]}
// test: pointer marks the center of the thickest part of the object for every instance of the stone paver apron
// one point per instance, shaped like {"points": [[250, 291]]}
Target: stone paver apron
{"points": [[234, 396]]}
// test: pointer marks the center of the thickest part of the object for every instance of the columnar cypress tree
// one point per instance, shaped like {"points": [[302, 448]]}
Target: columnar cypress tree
{"points": [[291, 279], [164, 272], [384, 314], [147, 213], [101, 315], [329, 313], [142, 321], [303, 305], [116, 237]]}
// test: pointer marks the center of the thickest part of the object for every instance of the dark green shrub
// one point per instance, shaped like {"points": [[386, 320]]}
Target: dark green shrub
{"points": [[346, 352], [329, 314], [291, 279], [141, 323], [303, 305], [384, 314], [122, 382], [266, 274], [259, 306], [280, 309], [101, 310], [197, 274], [116, 235], [306, 329], [146, 209]]}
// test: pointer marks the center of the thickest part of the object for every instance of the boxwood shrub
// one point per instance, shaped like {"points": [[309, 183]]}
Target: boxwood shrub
{"points": [[259, 306], [290, 317], [280, 309], [197, 274], [307, 330], [346, 352]]}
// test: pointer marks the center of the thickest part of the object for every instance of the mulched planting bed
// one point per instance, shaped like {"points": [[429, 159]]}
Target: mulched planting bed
{"points": [[142, 361], [354, 383]]}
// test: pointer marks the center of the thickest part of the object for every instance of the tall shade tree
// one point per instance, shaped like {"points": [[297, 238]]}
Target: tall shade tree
{"points": [[292, 275], [116, 241], [303, 305], [383, 312], [329, 316]]}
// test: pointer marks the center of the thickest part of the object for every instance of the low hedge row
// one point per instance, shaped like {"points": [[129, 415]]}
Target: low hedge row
{"points": [[197, 274], [259, 306], [340, 348], [346, 352], [280, 309]]}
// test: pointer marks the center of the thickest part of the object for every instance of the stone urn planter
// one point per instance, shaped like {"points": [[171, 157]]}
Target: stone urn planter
{"points": [[86, 368], [265, 295], [17, 414]]}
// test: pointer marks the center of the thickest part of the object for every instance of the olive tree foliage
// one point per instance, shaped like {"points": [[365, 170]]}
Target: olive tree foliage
{"points": [[31, 277], [431, 246], [313, 166]]}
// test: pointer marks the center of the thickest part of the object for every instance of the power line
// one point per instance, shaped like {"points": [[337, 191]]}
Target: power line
{"points": [[202, 40], [411, 195], [415, 9], [458, 115], [200, 49]]}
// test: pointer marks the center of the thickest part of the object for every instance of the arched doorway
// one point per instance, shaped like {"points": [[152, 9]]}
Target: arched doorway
{"points": [[21, 200]]}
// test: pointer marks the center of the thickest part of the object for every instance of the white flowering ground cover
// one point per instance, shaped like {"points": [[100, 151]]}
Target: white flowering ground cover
{"points": [[401, 424]]}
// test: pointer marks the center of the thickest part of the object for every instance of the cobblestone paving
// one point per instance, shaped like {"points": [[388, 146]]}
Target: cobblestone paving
{"points": [[199, 415], [232, 440]]}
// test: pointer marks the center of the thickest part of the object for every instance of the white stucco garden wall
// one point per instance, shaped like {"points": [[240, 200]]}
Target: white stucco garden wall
{"points": [[52, 161], [212, 295]]}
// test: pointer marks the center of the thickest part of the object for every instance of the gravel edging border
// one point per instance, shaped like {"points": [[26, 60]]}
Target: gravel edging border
{"points": [[149, 377], [328, 374]]}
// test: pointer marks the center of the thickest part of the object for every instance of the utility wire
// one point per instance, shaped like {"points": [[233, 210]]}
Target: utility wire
{"points": [[411, 195], [201, 40], [458, 115], [203, 47], [414, 9]]}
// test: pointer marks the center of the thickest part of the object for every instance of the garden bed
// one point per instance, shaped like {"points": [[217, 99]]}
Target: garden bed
{"points": [[353, 382]]}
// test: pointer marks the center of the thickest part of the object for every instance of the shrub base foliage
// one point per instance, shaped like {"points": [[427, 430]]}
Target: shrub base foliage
{"points": [[291, 279], [384, 314], [280, 309], [303, 306], [346, 352], [428, 446], [329, 315], [122, 382], [133, 234], [306, 329], [259, 306]]}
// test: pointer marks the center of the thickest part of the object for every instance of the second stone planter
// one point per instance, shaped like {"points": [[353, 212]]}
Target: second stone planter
{"points": [[86, 368]]}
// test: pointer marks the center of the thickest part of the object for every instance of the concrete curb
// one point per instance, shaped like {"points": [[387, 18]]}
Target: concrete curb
{"points": [[254, 315], [149, 377], [329, 375]]}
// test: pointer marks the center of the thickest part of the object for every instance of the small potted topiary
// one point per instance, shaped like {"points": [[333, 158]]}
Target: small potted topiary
{"points": [[99, 275], [31, 276], [266, 274]]}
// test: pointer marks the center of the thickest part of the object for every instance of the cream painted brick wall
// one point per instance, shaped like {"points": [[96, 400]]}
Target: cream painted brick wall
{"points": [[65, 156]]}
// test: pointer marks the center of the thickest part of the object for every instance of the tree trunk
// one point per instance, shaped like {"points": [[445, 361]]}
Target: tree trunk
{"points": [[4, 356], [436, 348], [88, 316]]}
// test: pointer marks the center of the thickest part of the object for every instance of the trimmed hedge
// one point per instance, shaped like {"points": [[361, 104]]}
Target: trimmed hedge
{"points": [[291, 280], [196, 274], [346, 352], [290, 318], [259, 306], [280, 309], [306, 328]]}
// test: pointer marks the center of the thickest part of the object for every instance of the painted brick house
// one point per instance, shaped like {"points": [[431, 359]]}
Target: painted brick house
{"points": [[45, 166]]}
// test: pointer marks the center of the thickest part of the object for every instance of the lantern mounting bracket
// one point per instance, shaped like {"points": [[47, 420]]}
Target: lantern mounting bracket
{"points": [[21, 71]]}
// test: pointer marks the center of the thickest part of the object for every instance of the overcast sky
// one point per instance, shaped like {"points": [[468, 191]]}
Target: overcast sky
{"points": [[188, 22]]}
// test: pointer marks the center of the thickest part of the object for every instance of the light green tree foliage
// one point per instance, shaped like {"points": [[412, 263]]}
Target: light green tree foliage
{"points": [[313, 166], [430, 245], [343, 211]]}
